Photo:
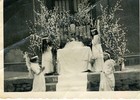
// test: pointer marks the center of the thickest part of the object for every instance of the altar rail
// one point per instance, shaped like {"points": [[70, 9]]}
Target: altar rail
{"points": [[124, 80], [132, 60]]}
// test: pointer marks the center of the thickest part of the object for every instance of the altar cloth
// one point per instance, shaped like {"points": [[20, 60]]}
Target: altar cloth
{"points": [[73, 82], [75, 60], [72, 62]]}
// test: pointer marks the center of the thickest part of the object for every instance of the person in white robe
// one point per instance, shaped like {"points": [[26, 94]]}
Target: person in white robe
{"points": [[73, 64], [97, 52], [107, 79], [39, 79], [47, 58]]}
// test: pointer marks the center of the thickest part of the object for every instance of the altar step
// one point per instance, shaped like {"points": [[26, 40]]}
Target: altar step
{"points": [[51, 79], [50, 86], [24, 84], [51, 82], [128, 80]]}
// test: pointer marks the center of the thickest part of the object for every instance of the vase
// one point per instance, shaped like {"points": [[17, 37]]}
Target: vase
{"points": [[123, 66], [118, 67]]}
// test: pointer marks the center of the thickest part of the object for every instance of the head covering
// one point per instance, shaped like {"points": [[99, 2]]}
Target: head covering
{"points": [[92, 30], [34, 59], [106, 55], [44, 37], [72, 39]]}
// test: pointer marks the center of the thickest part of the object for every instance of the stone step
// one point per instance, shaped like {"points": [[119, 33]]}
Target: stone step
{"points": [[50, 84], [125, 81], [50, 87], [51, 79]]}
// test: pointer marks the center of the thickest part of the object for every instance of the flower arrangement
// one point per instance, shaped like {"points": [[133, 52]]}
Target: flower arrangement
{"points": [[113, 34], [54, 23], [83, 16], [47, 24]]}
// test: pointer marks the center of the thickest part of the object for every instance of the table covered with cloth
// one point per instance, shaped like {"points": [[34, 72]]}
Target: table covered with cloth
{"points": [[72, 62]]}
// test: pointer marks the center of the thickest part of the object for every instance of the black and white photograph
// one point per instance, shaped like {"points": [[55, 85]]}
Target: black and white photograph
{"points": [[53, 46]]}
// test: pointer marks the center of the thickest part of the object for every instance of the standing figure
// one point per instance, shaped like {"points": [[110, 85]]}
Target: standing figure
{"points": [[107, 79], [28, 64], [39, 79], [97, 52], [47, 58]]}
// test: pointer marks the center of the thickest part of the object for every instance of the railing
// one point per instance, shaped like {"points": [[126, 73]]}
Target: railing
{"points": [[16, 66], [21, 66], [11, 63], [132, 60]]}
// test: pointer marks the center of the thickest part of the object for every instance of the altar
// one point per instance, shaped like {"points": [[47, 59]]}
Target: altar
{"points": [[72, 62]]}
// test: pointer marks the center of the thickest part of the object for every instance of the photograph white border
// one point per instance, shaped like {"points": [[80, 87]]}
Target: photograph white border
{"points": [[54, 95]]}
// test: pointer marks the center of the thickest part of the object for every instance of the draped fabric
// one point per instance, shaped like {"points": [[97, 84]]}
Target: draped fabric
{"points": [[39, 79], [71, 63], [107, 80], [73, 44]]}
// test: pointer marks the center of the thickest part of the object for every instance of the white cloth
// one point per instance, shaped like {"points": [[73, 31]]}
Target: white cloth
{"points": [[47, 61], [39, 79], [107, 80], [73, 44], [97, 53], [72, 82], [72, 62]]}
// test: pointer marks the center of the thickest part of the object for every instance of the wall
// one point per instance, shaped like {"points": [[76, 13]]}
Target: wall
{"points": [[125, 81], [16, 14], [25, 84]]}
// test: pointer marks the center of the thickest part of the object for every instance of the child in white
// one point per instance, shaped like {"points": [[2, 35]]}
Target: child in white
{"points": [[107, 79], [39, 79], [97, 52]]}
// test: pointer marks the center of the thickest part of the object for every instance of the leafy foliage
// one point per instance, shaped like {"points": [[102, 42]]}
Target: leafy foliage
{"points": [[50, 23], [113, 34], [47, 24], [83, 17]]}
